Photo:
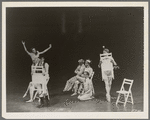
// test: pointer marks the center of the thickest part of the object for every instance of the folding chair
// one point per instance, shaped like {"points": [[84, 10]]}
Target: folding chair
{"points": [[38, 79], [105, 55], [127, 94]]}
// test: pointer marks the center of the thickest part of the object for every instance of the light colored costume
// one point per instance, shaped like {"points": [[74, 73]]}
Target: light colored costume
{"points": [[79, 70], [88, 90], [40, 78], [81, 79], [87, 69], [35, 57], [107, 67]]}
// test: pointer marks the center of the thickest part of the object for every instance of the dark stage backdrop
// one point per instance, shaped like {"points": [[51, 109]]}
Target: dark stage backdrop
{"points": [[74, 33]]}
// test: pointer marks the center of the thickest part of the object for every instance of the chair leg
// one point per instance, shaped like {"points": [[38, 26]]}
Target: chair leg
{"points": [[35, 95], [126, 98], [131, 98], [27, 90], [47, 93], [118, 99]]}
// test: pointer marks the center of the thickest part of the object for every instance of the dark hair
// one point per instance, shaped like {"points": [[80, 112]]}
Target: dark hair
{"points": [[35, 49]]}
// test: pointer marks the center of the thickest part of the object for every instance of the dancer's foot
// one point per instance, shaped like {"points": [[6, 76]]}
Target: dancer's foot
{"points": [[30, 100], [64, 90], [74, 94], [24, 95], [108, 97]]}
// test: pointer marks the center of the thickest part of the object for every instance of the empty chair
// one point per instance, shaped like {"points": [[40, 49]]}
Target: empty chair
{"points": [[125, 93]]}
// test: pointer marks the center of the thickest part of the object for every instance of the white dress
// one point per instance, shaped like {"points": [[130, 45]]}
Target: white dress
{"points": [[88, 90], [107, 67]]}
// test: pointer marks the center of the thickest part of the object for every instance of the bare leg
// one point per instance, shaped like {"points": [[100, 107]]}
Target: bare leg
{"points": [[31, 93], [75, 88], [107, 87], [27, 90], [70, 83]]}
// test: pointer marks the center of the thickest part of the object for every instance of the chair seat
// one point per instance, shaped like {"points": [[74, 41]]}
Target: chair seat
{"points": [[123, 92]]}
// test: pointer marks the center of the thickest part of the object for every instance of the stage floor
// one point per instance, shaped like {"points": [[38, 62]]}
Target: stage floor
{"points": [[63, 102]]}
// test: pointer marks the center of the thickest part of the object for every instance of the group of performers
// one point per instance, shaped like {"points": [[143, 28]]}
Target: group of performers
{"points": [[81, 84]]}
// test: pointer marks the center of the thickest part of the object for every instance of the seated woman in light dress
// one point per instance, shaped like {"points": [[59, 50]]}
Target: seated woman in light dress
{"points": [[80, 79], [79, 71], [35, 54], [88, 88]]}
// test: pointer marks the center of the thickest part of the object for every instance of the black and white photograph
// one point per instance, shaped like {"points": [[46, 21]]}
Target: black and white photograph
{"points": [[75, 60]]}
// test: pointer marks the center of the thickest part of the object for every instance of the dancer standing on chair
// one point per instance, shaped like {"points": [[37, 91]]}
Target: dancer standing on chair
{"points": [[35, 54], [107, 65], [32, 86]]}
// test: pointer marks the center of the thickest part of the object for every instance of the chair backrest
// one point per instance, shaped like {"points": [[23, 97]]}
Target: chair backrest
{"points": [[102, 56], [126, 82], [105, 55], [37, 69], [92, 75]]}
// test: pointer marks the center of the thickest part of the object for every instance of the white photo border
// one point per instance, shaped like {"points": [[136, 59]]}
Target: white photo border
{"points": [[77, 115]]}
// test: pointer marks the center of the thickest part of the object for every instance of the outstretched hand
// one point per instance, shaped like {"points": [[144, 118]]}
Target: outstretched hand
{"points": [[23, 42], [116, 67], [50, 45]]}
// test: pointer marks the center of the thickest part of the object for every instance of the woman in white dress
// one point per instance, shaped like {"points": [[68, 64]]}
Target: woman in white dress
{"points": [[79, 71], [88, 88]]}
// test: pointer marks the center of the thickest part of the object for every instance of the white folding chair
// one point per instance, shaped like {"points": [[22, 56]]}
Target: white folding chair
{"points": [[105, 55], [125, 94], [38, 79], [41, 80]]}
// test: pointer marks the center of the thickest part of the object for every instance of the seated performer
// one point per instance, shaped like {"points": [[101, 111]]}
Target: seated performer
{"points": [[81, 78], [33, 85], [88, 88], [107, 65], [79, 70], [35, 54]]}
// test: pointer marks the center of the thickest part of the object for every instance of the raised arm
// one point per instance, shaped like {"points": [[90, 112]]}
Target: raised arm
{"points": [[25, 47], [46, 49]]}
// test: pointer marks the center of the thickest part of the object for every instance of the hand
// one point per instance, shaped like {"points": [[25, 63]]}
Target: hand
{"points": [[23, 42], [116, 67], [50, 45]]}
